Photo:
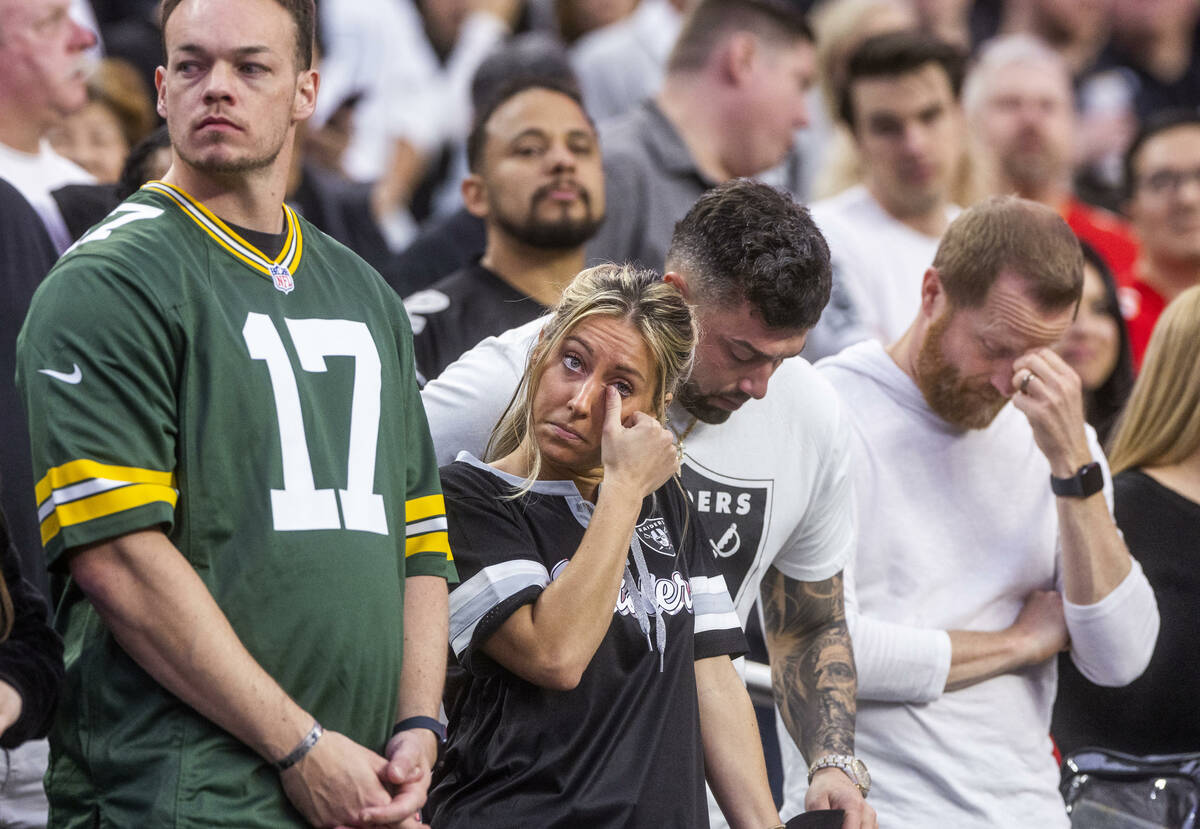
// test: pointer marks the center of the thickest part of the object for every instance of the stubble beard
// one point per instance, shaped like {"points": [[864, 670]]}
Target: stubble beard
{"points": [[202, 161], [694, 400], [1031, 169], [948, 396]]}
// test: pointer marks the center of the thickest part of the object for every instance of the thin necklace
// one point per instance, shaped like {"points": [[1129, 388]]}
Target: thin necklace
{"points": [[680, 438]]}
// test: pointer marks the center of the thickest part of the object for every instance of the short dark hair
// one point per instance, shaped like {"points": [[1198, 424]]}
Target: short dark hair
{"points": [[897, 53], [1007, 233], [712, 20], [528, 54], [744, 241], [302, 12], [477, 138], [1159, 122]]}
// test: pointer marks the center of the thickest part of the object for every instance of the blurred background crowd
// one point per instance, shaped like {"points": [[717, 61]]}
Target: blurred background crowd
{"points": [[1089, 106]]}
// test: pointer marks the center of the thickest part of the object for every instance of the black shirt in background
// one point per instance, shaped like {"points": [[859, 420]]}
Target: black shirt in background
{"points": [[31, 658], [1157, 712], [449, 318], [26, 256]]}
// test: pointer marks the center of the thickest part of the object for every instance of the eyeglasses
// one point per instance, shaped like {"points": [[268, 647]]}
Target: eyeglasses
{"points": [[1168, 182]]}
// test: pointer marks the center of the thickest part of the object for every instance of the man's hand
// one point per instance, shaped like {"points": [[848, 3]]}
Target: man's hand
{"points": [[1041, 627], [1050, 395], [411, 755], [336, 781], [831, 788]]}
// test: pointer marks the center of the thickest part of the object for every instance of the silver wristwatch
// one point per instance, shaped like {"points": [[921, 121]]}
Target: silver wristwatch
{"points": [[854, 768]]}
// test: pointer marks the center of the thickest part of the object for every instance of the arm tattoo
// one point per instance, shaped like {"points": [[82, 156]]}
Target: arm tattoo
{"points": [[812, 662]]}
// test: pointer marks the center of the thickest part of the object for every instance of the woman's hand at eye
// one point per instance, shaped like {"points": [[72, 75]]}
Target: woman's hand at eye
{"points": [[641, 456]]}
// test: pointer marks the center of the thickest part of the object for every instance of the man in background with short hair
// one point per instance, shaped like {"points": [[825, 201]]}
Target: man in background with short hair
{"points": [[537, 182], [899, 100], [1020, 109], [43, 73], [733, 96], [1162, 177]]}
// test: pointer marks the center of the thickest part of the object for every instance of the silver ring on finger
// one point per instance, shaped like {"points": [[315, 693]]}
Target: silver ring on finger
{"points": [[1029, 375]]}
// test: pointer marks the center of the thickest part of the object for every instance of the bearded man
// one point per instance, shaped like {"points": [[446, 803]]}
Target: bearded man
{"points": [[972, 570], [537, 182], [1020, 109]]}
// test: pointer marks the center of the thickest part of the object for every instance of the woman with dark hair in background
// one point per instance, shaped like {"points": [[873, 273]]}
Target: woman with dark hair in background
{"points": [[1097, 346], [1155, 460]]}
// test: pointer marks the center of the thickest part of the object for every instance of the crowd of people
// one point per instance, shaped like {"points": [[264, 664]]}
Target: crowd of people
{"points": [[433, 412]]}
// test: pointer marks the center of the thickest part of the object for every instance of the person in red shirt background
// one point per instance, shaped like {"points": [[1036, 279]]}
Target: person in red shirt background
{"points": [[1162, 174]]}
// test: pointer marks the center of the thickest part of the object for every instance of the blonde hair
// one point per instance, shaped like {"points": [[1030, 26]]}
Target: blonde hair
{"points": [[1161, 423], [654, 308]]}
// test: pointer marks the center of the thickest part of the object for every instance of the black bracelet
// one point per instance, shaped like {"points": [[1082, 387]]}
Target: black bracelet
{"points": [[297, 753], [421, 722]]}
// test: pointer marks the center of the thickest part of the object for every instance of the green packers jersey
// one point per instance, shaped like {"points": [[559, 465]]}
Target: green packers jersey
{"points": [[264, 414]]}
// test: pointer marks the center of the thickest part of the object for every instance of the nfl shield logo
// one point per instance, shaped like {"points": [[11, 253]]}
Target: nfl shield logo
{"points": [[282, 278]]}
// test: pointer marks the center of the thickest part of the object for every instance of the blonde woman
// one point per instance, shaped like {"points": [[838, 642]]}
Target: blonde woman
{"points": [[1155, 459], [592, 631]]}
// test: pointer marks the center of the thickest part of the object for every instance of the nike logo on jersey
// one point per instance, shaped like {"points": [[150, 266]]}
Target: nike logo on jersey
{"points": [[74, 378]]}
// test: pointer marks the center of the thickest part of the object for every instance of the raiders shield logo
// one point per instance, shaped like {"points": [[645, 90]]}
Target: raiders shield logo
{"points": [[733, 512], [653, 534]]}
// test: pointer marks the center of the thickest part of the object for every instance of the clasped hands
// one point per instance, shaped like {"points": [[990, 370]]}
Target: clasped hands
{"points": [[342, 784]]}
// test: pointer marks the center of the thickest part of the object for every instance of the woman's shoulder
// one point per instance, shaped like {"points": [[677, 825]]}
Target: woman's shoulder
{"points": [[467, 476]]}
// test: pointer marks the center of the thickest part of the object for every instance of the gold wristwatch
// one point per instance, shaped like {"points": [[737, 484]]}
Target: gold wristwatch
{"points": [[854, 768]]}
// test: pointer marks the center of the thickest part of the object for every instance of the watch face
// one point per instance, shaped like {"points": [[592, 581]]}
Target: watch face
{"points": [[860, 771]]}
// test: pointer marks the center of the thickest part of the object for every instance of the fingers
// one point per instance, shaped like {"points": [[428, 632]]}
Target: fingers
{"points": [[1050, 395], [1044, 368], [405, 806], [411, 754], [612, 408]]}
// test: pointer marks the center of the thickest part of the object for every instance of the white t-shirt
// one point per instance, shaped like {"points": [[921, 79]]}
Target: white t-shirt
{"points": [[878, 264], [379, 48], [771, 484], [958, 528], [37, 176]]}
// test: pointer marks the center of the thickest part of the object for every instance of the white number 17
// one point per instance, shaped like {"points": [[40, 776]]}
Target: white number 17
{"points": [[300, 505]]}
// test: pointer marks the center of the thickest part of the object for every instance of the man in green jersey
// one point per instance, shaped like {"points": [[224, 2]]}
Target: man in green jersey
{"points": [[235, 471]]}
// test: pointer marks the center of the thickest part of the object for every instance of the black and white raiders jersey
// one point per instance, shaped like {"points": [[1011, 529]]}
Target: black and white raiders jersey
{"points": [[623, 748]]}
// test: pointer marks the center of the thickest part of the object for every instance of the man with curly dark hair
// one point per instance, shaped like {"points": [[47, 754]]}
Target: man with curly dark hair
{"points": [[767, 474]]}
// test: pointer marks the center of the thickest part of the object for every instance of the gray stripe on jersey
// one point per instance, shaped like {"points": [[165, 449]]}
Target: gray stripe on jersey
{"points": [[472, 599]]}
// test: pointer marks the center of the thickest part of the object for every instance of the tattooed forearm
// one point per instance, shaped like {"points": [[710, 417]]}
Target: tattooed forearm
{"points": [[812, 662]]}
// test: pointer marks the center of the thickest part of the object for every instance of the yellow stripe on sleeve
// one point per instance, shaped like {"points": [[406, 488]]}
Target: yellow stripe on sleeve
{"points": [[50, 527], [438, 542], [84, 470], [105, 503], [418, 509]]}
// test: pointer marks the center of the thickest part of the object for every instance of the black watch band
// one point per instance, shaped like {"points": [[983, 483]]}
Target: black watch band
{"points": [[1086, 482], [422, 722]]}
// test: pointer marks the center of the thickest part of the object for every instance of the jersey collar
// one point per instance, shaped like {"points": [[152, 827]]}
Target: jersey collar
{"points": [[228, 238]]}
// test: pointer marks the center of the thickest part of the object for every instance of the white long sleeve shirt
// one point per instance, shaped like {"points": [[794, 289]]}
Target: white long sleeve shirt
{"points": [[956, 529]]}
